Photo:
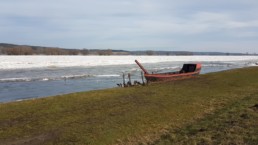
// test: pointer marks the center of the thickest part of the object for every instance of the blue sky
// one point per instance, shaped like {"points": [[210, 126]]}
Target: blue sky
{"points": [[187, 25]]}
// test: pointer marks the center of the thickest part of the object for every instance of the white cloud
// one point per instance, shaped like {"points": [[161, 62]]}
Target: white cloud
{"points": [[128, 23]]}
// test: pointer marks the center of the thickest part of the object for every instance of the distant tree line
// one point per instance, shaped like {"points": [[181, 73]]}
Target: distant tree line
{"points": [[28, 50], [35, 50], [12, 49]]}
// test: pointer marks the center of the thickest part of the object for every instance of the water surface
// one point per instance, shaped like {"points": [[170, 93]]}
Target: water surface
{"points": [[26, 81]]}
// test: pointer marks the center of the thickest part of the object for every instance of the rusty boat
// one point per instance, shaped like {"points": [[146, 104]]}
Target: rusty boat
{"points": [[187, 71]]}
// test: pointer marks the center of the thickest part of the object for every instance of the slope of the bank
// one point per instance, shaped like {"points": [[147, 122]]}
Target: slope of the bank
{"points": [[125, 116]]}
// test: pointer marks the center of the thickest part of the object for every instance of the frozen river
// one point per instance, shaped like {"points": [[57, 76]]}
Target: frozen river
{"points": [[24, 77]]}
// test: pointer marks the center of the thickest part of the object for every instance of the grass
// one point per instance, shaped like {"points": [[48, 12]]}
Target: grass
{"points": [[235, 124], [181, 112]]}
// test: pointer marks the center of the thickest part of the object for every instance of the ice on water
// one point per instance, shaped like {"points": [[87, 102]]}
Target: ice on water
{"points": [[24, 62], [24, 77]]}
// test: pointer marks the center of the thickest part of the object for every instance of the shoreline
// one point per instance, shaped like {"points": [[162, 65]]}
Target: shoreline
{"points": [[133, 115], [25, 99]]}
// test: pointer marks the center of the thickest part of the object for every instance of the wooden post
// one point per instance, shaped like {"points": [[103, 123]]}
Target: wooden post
{"points": [[124, 80], [143, 83], [129, 77]]}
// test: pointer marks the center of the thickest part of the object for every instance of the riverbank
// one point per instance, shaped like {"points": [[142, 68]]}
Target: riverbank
{"points": [[172, 112]]}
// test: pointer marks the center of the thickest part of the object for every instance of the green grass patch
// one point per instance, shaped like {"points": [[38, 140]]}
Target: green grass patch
{"points": [[139, 115], [235, 124]]}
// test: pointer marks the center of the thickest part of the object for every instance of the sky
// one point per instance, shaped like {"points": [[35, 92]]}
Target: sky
{"points": [[172, 25]]}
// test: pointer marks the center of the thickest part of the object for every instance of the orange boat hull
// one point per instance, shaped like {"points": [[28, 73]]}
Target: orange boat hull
{"points": [[173, 75]]}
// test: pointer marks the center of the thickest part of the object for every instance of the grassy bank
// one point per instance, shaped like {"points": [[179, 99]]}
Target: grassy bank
{"points": [[188, 111]]}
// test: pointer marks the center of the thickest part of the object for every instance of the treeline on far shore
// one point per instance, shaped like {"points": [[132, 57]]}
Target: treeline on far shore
{"points": [[13, 49], [10, 49]]}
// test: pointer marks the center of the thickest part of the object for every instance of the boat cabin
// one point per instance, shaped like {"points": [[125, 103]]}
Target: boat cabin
{"points": [[188, 68]]}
